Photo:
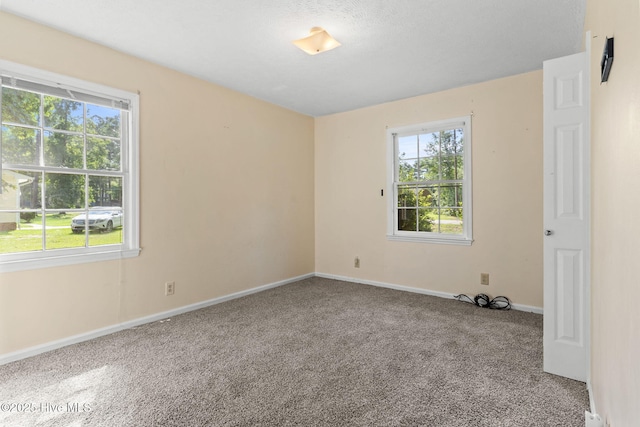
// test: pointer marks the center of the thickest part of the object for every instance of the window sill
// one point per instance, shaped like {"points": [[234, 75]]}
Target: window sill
{"points": [[54, 260], [440, 240]]}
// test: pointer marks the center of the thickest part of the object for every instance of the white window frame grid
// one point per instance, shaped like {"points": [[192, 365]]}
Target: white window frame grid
{"points": [[130, 246], [466, 238]]}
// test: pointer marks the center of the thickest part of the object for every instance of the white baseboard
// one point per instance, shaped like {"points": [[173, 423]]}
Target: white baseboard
{"points": [[592, 420], [53, 345], [519, 307], [591, 417]]}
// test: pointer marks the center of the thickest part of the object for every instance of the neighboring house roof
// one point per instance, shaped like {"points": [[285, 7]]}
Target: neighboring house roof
{"points": [[19, 178]]}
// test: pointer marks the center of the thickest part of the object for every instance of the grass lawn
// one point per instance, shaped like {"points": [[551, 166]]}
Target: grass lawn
{"points": [[448, 217], [29, 237], [53, 220], [454, 227], [451, 228]]}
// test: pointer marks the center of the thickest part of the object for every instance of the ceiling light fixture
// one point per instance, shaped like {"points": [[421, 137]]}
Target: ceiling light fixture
{"points": [[318, 41]]}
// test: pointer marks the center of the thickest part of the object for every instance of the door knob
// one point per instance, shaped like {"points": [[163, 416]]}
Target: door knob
{"points": [[548, 232]]}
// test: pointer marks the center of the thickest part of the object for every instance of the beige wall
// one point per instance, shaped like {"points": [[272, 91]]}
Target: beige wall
{"points": [[226, 197], [615, 373], [507, 193]]}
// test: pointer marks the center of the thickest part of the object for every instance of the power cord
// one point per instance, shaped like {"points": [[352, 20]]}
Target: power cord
{"points": [[483, 300]]}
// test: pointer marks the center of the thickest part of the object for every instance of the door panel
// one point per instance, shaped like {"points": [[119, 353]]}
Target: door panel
{"points": [[566, 216], [569, 293], [569, 148]]}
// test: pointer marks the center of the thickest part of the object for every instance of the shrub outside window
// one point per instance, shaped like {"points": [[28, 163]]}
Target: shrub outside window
{"points": [[430, 182], [69, 170]]}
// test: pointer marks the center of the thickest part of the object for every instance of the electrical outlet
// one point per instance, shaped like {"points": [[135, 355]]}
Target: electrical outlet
{"points": [[484, 279], [356, 262], [169, 288]]}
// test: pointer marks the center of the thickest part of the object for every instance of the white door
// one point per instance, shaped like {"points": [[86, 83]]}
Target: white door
{"points": [[566, 216]]}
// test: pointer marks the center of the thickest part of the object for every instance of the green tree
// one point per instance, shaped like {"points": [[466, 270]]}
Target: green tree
{"points": [[20, 107], [413, 200], [103, 153], [62, 149], [443, 160]]}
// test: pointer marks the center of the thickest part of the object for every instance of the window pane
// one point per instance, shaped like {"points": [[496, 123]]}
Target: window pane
{"points": [[103, 154], [426, 221], [64, 191], [20, 145], [27, 238], [431, 219], [406, 196], [407, 170], [450, 196], [452, 167], [20, 231], [63, 114], [20, 107], [430, 169], [106, 226], [10, 197], [103, 121], [421, 170], [105, 191], [450, 141], [407, 147], [452, 222], [407, 220], [429, 144], [63, 150], [457, 141], [447, 221], [427, 196], [21, 190], [460, 166], [58, 231]]}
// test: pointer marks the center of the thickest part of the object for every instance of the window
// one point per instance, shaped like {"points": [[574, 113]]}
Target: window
{"points": [[430, 182], [69, 170]]}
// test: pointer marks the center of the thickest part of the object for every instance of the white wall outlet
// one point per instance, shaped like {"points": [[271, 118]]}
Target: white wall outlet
{"points": [[484, 279], [169, 288], [356, 262]]}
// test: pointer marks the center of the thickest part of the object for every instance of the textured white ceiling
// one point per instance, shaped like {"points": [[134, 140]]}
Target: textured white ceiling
{"points": [[391, 49]]}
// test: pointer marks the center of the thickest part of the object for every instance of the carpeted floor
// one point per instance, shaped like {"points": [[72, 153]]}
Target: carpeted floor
{"points": [[313, 353]]}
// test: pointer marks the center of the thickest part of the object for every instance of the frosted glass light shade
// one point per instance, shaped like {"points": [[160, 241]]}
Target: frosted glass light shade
{"points": [[318, 41]]}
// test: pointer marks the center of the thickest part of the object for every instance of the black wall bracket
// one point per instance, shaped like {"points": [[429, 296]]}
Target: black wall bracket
{"points": [[607, 60]]}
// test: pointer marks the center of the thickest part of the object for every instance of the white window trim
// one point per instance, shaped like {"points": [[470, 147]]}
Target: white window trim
{"points": [[466, 238], [130, 163]]}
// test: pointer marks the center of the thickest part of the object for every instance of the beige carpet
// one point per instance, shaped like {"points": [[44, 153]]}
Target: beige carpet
{"points": [[313, 353]]}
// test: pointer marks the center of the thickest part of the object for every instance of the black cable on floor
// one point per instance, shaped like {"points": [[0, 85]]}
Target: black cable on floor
{"points": [[483, 300]]}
